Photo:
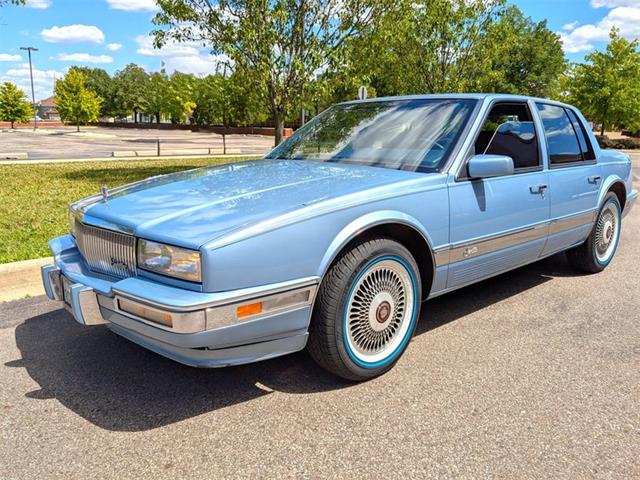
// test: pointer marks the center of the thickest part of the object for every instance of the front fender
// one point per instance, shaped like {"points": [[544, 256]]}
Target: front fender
{"points": [[365, 222]]}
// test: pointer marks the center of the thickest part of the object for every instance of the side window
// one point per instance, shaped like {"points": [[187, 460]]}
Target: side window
{"points": [[585, 145], [561, 136], [509, 130]]}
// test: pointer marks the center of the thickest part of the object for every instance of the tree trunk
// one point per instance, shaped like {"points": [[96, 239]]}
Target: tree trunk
{"points": [[135, 116], [77, 125], [602, 129], [278, 120], [12, 125]]}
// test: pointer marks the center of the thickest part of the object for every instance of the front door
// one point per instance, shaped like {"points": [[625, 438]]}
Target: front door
{"points": [[500, 223]]}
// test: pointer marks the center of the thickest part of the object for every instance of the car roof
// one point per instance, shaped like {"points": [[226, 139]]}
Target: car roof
{"points": [[461, 96]]}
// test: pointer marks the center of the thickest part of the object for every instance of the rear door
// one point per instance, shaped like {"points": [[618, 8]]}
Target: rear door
{"points": [[573, 179], [500, 223]]}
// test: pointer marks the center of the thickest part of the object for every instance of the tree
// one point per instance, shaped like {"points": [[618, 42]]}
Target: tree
{"points": [[519, 56], [74, 102], [156, 95], [130, 86], [279, 44], [607, 86], [14, 106], [100, 83], [12, 2], [180, 101], [426, 46]]}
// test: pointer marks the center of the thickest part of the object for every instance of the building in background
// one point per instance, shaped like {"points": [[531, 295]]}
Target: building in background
{"points": [[47, 109]]}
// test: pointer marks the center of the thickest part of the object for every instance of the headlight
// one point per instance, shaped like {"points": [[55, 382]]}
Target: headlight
{"points": [[169, 260]]}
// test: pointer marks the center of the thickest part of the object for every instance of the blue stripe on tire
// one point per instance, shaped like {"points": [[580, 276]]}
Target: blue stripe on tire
{"points": [[618, 232], [400, 347]]}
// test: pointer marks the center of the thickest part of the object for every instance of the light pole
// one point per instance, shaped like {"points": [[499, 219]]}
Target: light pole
{"points": [[33, 94]]}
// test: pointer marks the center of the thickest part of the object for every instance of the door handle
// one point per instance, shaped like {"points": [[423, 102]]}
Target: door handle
{"points": [[594, 179], [540, 188]]}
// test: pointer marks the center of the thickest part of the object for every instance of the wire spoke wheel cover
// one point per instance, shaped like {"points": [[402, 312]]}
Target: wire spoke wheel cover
{"points": [[606, 232], [379, 312]]}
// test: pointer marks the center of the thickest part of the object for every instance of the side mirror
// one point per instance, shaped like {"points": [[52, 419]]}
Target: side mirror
{"points": [[487, 166]]}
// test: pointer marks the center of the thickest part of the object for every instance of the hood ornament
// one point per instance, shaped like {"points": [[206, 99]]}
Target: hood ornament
{"points": [[105, 192]]}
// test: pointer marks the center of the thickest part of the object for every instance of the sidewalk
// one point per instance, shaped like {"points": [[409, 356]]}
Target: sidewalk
{"points": [[21, 279]]}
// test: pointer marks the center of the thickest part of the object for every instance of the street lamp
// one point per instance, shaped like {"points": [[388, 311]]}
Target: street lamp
{"points": [[33, 94]]}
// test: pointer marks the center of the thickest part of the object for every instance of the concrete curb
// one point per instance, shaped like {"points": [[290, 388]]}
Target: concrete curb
{"points": [[21, 279]]}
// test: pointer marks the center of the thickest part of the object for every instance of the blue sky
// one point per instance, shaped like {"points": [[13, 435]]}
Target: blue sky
{"points": [[112, 33]]}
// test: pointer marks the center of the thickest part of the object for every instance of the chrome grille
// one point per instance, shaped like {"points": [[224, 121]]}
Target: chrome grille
{"points": [[106, 251]]}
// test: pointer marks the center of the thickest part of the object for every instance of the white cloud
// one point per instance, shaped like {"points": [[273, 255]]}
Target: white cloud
{"points": [[7, 57], [72, 34], [133, 5], [615, 3], [114, 47], [582, 38], [42, 80], [570, 26], [82, 58], [188, 57], [39, 4]]}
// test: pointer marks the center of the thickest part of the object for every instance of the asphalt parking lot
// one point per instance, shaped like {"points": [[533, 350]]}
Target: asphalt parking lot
{"points": [[532, 374], [64, 142]]}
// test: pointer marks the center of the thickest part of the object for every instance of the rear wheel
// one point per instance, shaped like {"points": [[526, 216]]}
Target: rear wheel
{"points": [[366, 311], [598, 250]]}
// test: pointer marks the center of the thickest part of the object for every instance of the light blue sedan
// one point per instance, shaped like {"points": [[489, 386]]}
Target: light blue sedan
{"points": [[335, 238]]}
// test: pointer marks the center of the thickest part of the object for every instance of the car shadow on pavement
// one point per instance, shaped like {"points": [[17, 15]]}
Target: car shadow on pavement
{"points": [[120, 386]]}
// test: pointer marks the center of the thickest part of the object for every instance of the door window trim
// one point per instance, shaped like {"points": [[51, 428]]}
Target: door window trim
{"points": [[461, 174]]}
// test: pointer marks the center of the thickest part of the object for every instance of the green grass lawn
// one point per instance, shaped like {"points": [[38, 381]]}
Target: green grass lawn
{"points": [[34, 198]]}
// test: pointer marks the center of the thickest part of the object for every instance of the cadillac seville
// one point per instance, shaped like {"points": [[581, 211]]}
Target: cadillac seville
{"points": [[334, 239]]}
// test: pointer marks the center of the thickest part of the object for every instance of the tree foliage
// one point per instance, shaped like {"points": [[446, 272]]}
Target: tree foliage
{"points": [[280, 43], [520, 56], [74, 101], [14, 106], [99, 82], [607, 86], [129, 92]]}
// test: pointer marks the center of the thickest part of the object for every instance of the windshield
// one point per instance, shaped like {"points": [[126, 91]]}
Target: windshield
{"points": [[416, 134]]}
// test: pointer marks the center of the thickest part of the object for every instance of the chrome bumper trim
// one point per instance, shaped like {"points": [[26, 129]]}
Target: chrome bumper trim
{"points": [[88, 305], [84, 305], [51, 281], [231, 297]]}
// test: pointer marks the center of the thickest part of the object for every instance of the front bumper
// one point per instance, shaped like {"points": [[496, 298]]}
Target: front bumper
{"points": [[194, 328]]}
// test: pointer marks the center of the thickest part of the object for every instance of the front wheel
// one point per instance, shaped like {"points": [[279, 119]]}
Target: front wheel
{"points": [[366, 311], [598, 250]]}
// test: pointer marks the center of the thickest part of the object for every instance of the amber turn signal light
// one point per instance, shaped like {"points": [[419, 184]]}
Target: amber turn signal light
{"points": [[249, 309]]}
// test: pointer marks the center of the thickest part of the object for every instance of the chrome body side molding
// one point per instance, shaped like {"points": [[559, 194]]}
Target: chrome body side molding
{"points": [[462, 251]]}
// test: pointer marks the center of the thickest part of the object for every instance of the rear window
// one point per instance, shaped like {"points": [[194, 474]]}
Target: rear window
{"points": [[560, 134]]}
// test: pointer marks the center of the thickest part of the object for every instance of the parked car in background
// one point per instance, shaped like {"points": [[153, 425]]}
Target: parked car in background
{"points": [[338, 235]]}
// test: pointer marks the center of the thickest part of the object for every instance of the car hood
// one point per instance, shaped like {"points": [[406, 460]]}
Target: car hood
{"points": [[194, 207]]}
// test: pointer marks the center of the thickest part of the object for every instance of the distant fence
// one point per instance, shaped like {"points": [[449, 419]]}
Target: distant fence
{"points": [[267, 131]]}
